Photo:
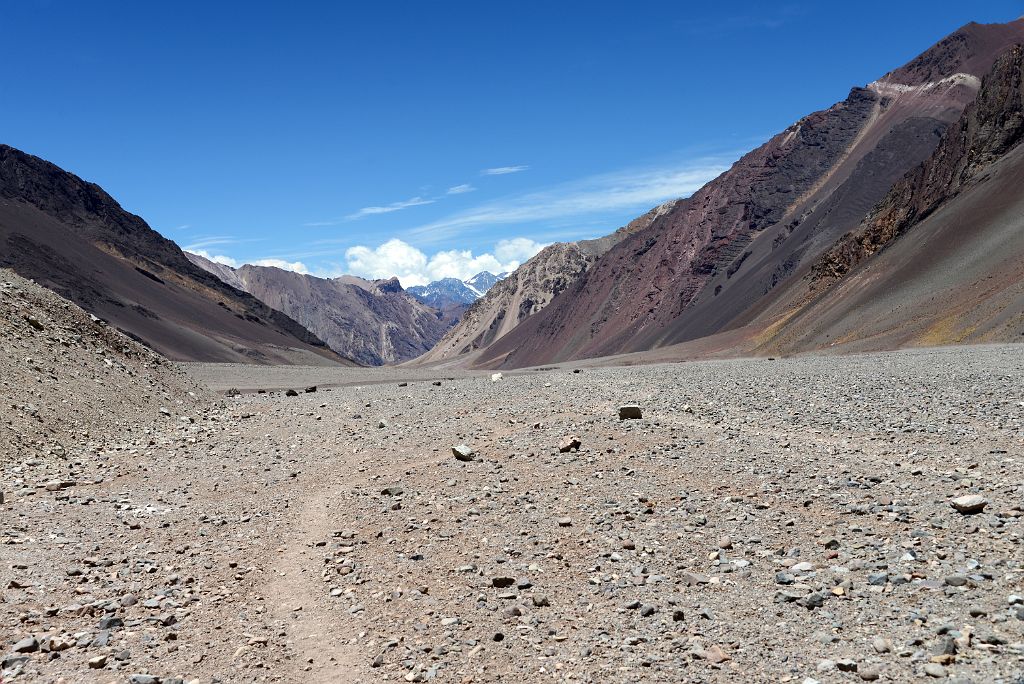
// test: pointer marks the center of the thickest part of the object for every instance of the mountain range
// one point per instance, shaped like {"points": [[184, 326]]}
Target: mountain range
{"points": [[764, 258], [452, 296], [891, 219], [372, 322]]}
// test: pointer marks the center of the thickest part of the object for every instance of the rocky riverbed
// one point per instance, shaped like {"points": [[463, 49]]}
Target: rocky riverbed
{"points": [[790, 520]]}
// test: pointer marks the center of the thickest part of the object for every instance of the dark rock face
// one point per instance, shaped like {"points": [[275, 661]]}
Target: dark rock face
{"points": [[371, 322], [718, 259], [72, 237], [990, 127]]}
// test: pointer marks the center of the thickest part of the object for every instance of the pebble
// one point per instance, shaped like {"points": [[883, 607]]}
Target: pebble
{"points": [[969, 504], [569, 444], [463, 453], [630, 412]]}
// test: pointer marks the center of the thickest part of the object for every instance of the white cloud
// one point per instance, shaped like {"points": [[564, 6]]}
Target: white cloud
{"points": [[216, 258], [393, 258], [517, 249], [387, 209], [413, 267], [460, 189], [503, 170], [296, 266], [639, 189], [210, 241]]}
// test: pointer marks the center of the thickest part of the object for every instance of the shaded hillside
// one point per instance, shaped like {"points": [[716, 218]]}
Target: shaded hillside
{"points": [[991, 126], [710, 264], [72, 237], [372, 322], [941, 259]]}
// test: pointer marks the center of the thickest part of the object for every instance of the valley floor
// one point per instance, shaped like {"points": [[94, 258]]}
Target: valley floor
{"points": [[764, 521]]}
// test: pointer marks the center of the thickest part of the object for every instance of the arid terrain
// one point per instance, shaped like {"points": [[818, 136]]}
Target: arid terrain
{"points": [[764, 521]]}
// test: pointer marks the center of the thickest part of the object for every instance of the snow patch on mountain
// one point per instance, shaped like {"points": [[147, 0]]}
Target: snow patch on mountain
{"points": [[447, 292]]}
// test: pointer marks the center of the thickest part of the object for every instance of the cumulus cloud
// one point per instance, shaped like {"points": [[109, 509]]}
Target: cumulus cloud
{"points": [[216, 258], [413, 267], [460, 189], [393, 258], [296, 266], [517, 249], [503, 170]]}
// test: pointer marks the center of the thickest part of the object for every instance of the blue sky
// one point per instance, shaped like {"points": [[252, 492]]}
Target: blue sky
{"points": [[427, 139]]}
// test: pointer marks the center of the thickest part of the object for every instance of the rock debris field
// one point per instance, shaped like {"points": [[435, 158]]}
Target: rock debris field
{"points": [[816, 519]]}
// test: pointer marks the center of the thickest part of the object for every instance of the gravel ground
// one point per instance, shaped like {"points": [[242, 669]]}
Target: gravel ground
{"points": [[764, 521]]}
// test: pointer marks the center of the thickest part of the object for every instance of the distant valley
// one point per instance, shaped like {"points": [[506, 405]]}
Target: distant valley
{"points": [[373, 322]]}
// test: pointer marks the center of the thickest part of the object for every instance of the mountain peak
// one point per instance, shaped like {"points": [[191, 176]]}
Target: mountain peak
{"points": [[451, 292], [971, 49], [391, 284]]}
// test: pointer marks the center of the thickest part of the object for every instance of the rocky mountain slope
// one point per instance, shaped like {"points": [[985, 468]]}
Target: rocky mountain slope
{"points": [[65, 374], [941, 259], [528, 289], [712, 262], [371, 322], [72, 237]]}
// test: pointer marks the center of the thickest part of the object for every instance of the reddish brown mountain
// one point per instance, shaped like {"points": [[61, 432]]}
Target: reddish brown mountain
{"points": [[941, 259], [714, 261], [528, 290], [72, 237]]}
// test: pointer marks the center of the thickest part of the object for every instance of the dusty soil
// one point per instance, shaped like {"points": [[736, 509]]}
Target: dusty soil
{"points": [[765, 520]]}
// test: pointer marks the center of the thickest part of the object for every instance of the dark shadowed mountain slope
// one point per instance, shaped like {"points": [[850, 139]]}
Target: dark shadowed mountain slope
{"points": [[72, 237], [372, 322], [941, 259], [710, 263]]}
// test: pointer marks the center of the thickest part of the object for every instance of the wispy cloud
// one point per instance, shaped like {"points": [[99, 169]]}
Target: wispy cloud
{"points": [[374, 211], [211, 241], [580, 200], [503, 170], [460, 189], [769, 18], [388, 208]]}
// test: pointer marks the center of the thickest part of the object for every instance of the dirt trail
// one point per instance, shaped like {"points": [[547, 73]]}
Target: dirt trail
{"points": [[319, 651]]}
